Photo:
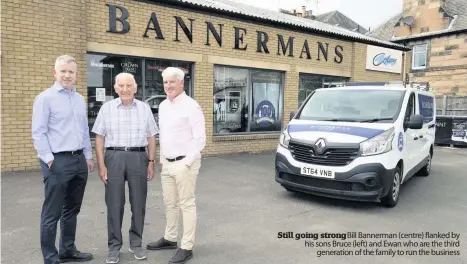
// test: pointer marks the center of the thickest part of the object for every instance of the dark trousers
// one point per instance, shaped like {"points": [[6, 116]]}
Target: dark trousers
{"points": [[124, 166], [64, 185]]}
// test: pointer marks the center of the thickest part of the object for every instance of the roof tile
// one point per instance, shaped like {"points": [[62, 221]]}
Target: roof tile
{"points": [[278, 17]]}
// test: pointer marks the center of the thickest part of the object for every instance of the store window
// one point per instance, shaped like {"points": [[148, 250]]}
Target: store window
{"points": [[154, 85], [101, 72], [310, 82], [247, 100]]}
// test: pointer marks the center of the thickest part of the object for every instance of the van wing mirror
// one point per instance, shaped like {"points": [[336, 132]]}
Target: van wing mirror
{"points": [[292, 114], [415, 122]]}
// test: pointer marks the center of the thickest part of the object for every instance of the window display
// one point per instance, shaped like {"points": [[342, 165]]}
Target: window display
{"points": [[310, 82], [154, 84], [236, 89], [101, 72], [266, 100], [230, 100]]}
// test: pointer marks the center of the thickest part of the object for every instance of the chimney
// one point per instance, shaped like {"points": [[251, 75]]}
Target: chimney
{"points": [[310, 15], [303, 11]]}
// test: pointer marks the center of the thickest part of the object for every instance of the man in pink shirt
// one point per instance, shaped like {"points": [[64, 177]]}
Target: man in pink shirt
{"points": [[182, 137]]}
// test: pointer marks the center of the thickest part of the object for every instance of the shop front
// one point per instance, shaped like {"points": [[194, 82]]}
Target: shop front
{"points": [[247, 70], [102, 69]]}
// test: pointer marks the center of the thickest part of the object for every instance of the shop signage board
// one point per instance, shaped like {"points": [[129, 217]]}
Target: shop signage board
{"points": [[284, 46], [383, 59]]}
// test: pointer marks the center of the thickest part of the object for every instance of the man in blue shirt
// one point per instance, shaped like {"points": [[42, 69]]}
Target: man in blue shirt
{"points": [[61, 137]]}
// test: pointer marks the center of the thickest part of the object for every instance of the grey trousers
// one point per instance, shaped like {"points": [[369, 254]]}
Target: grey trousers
{"points": [[130, 166]]}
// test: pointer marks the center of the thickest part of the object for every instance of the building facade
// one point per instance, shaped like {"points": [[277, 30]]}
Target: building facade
{"points": [[247, 71], [436, 32]]}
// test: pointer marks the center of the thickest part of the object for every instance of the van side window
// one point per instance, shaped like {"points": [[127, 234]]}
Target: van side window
{"points": [[410, 107]]}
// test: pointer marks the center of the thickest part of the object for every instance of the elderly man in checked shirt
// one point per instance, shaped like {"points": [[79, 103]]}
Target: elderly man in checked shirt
{"points": [[126, 128], [182, 138]]}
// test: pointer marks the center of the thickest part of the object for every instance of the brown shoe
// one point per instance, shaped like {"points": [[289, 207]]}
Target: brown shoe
{"points": [[162, 244]]}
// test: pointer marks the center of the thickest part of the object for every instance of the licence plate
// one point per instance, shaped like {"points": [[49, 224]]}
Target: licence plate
{"points": [[317, 172]]}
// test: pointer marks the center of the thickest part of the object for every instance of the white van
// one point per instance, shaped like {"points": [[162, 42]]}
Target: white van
{"points": [[360, 141]]}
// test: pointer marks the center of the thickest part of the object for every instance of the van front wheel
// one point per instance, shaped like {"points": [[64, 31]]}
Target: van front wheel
{"points": [[390, 200]]}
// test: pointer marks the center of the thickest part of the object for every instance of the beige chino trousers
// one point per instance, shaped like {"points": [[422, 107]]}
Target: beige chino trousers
{"points": [[178, 188]]}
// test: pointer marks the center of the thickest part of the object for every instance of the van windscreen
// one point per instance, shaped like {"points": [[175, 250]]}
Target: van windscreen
{"points": [[353, 105]]}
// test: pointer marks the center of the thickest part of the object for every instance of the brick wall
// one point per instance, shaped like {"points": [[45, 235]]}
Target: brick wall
{"points": [[80, 26], [140, 12], [446, 65], [427, 17], [34, 34]]}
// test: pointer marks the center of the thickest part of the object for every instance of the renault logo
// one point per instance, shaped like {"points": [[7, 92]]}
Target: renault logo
{"points": [[320, 145]]}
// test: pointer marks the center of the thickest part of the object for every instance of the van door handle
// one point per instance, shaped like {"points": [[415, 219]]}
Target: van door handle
{"points": [[415, 138]]}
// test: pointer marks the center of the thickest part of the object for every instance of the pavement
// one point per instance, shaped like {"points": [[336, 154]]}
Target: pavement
{"points": [[241, 210]]}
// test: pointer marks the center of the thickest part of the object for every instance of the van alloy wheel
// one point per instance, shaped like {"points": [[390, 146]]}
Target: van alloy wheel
{"points": [[425, 171], [396, 184], [392, 197]]}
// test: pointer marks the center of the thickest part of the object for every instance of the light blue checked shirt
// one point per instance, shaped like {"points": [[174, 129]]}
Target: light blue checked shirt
{"points": [[59, 123], [125, 127]]}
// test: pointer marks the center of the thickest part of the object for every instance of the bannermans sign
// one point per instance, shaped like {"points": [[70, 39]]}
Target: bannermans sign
{"points": [[323, 52]]}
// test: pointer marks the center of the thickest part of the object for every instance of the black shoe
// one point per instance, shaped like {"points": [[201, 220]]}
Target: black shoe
{"points": [[181, 256], [75, 257], [162, 244]]}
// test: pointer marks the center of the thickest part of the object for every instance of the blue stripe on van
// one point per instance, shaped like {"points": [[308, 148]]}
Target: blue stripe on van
{"points": [[348, 130]]}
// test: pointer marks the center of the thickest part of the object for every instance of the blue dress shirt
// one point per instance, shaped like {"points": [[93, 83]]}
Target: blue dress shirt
{"points": [[59, 123]]}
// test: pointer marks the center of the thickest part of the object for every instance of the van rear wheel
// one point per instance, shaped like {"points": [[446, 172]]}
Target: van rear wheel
{"points": [[391, 199], [425, 171]]}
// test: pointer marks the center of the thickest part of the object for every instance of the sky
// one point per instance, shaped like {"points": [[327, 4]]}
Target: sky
{"points": [[368, 13]]}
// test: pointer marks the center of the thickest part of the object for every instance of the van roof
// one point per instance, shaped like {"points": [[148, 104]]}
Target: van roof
{"points": [[422, 87], [364, 87]]}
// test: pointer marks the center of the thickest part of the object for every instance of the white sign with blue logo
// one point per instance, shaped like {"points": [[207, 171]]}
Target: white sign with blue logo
{"points": [[383, 59]]}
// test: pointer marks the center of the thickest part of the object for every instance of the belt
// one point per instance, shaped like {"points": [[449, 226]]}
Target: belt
{"points": [[128, 148], [70, 153], [175, 159]]}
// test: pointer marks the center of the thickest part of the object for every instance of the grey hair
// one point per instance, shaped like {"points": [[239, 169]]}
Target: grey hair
{"points": [[173, 72], [64, 58], [125, 74]]}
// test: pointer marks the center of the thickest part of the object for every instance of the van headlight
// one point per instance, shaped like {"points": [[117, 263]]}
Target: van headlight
{"points": [[284, 139], [379, 144]]}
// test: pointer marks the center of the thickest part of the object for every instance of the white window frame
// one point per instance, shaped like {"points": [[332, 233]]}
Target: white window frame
{"points": [[415, 53]]}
